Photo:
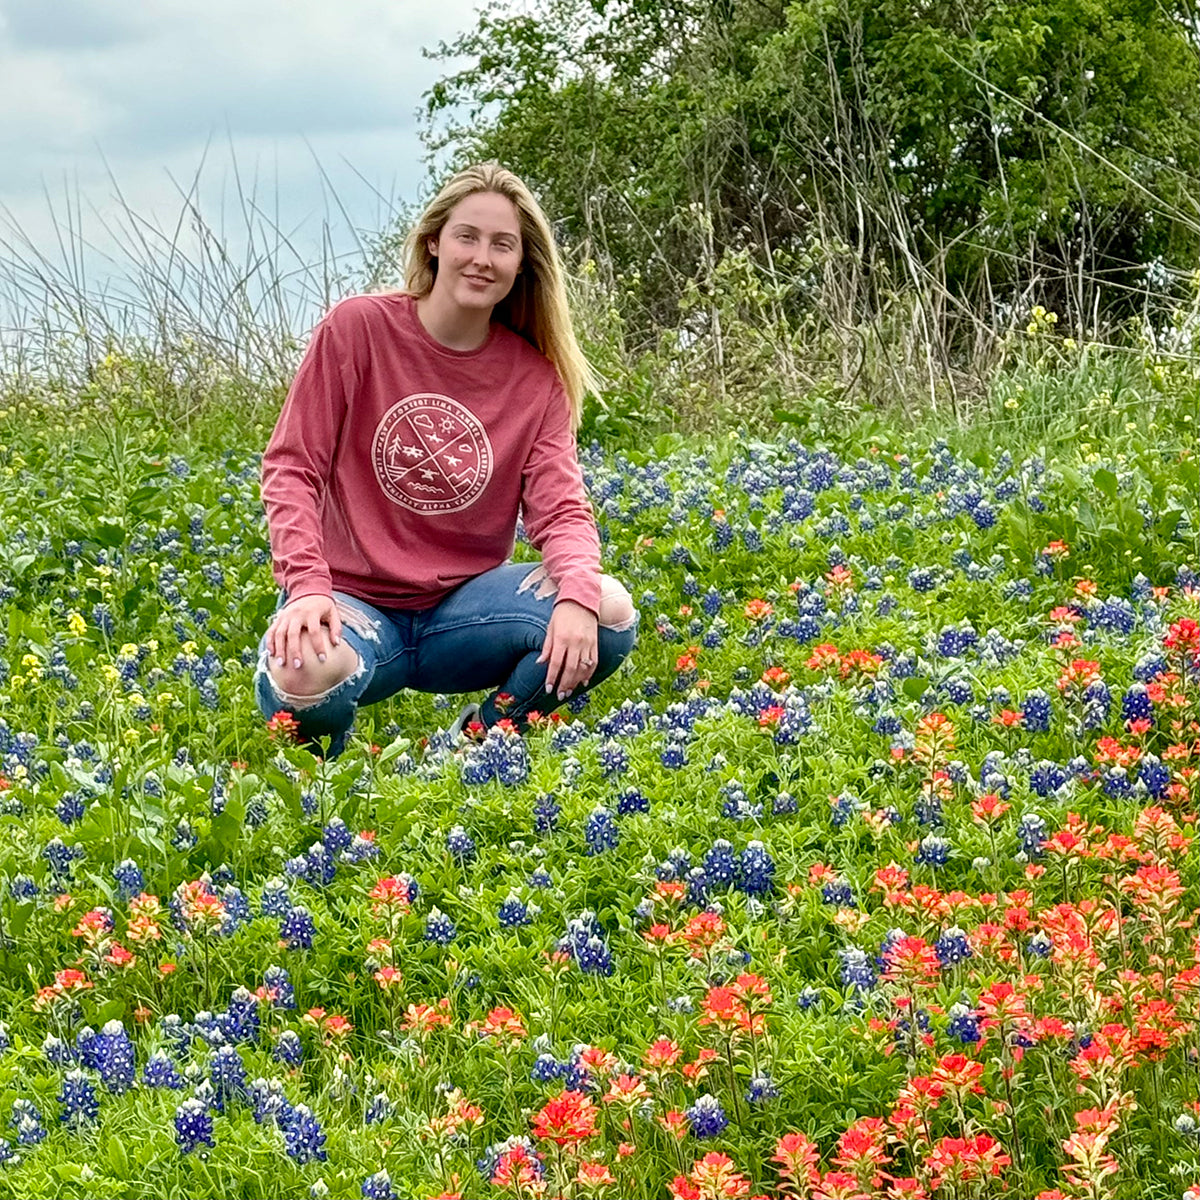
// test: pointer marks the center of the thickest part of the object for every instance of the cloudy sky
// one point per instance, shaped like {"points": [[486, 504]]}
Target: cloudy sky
{"points": [[98, 96]]}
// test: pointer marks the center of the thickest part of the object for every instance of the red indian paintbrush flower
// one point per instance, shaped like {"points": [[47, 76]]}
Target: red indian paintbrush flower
{"points": [[566, 1119]]}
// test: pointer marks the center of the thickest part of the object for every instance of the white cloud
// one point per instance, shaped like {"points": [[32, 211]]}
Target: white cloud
{"points": [[141, 88]]}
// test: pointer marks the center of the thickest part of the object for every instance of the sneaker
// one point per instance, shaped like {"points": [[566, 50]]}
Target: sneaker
{"points": [[470, 712]]}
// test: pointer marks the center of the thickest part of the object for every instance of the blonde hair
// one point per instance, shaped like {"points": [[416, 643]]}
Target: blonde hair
{"points": [[536, 307]]}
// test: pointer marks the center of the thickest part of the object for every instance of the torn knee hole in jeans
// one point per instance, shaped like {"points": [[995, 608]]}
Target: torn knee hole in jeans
{"points": [[546, 586], [616, 606], [299, 703]]}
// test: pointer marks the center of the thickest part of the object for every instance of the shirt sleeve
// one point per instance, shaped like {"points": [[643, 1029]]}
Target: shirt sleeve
{"points": [[558, 516], [297, 462]]}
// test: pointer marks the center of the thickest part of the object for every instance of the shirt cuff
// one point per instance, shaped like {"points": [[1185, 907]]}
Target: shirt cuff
{"points": [[584, 590]]}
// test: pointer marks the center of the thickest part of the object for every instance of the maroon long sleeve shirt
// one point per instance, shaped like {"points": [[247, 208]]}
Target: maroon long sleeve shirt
{"points": [[398, 466]]}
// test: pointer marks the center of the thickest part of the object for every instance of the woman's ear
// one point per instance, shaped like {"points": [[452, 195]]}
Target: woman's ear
{"points": [[431, 246]]}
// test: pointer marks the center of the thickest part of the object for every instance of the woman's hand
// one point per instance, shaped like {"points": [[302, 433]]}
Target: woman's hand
{"points": [[570, 647], [299, 631]]}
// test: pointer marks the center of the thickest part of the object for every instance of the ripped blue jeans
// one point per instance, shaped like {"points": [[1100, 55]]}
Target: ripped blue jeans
{"points": [[486, 634]]}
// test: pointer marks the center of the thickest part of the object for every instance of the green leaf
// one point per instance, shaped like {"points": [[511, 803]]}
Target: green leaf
{"points": [[915, 687], [117, 1159], [108, 533], [1106, 482]]}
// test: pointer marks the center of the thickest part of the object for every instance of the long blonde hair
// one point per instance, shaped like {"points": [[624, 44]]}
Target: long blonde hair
{"points": [[537, 307]]}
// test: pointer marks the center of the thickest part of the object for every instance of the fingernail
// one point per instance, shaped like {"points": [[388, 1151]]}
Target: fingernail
{"points": [[320, 658], [562, 695], [549, 687], [296, 663], [279, 661], [337, 641]]}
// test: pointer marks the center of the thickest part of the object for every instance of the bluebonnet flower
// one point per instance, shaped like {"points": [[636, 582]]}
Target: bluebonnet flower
{"points": [[933, 851], [613, 758], [22, 888], [809, 997], [129, 877], [69, 808], [697, 887], [296, 930], [1136, 704], [1154, 775], [240, 1021], [61, 857], [360, 849], [756, 870], [160, 1072], [963, 1024], [319, 867], [760, 1089], [1117, 782], [1115, 615], [1150, 665], [720, 866], [674, 757], [78, 1099], [184, 838], [336, 836], [267, 1100], [838, 892], [237, 909], [379, 1187], [843, 806], [631, 800], [439, 928], [1047, 777], [922, 579], [460, 846], [277, 985], [928, 809], [1040, 945], [275, 900], [546, 1068], [26, 1119], [952, 947], [193, 1126], [540, 878], [513, 911], [57, 1053], [114, 1058], [87, 1047], [303, 1137], [706, 1116], [379, 1109], [288, 1048], [857, 969], [1031, 831], [584, 940], [227, 1074], [601, 831], [784, 804]]}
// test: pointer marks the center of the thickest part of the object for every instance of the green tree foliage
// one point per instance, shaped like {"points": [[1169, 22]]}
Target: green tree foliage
{"points": [[977, 155]]}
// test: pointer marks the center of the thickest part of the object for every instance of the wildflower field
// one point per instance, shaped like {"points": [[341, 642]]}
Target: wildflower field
{"points": [[872, 874]]}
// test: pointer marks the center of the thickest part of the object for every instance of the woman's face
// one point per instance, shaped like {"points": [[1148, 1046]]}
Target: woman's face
{"points": [[478, 251]]}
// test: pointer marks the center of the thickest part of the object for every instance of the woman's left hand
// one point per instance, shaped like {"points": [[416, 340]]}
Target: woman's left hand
{"points": [[570, 647]]}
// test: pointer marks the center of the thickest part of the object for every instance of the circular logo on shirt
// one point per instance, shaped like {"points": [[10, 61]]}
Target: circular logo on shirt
{"points": [[431, 454]]}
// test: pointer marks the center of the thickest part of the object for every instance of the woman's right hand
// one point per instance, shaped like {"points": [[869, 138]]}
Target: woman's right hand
{"points": [[309, 625]]}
